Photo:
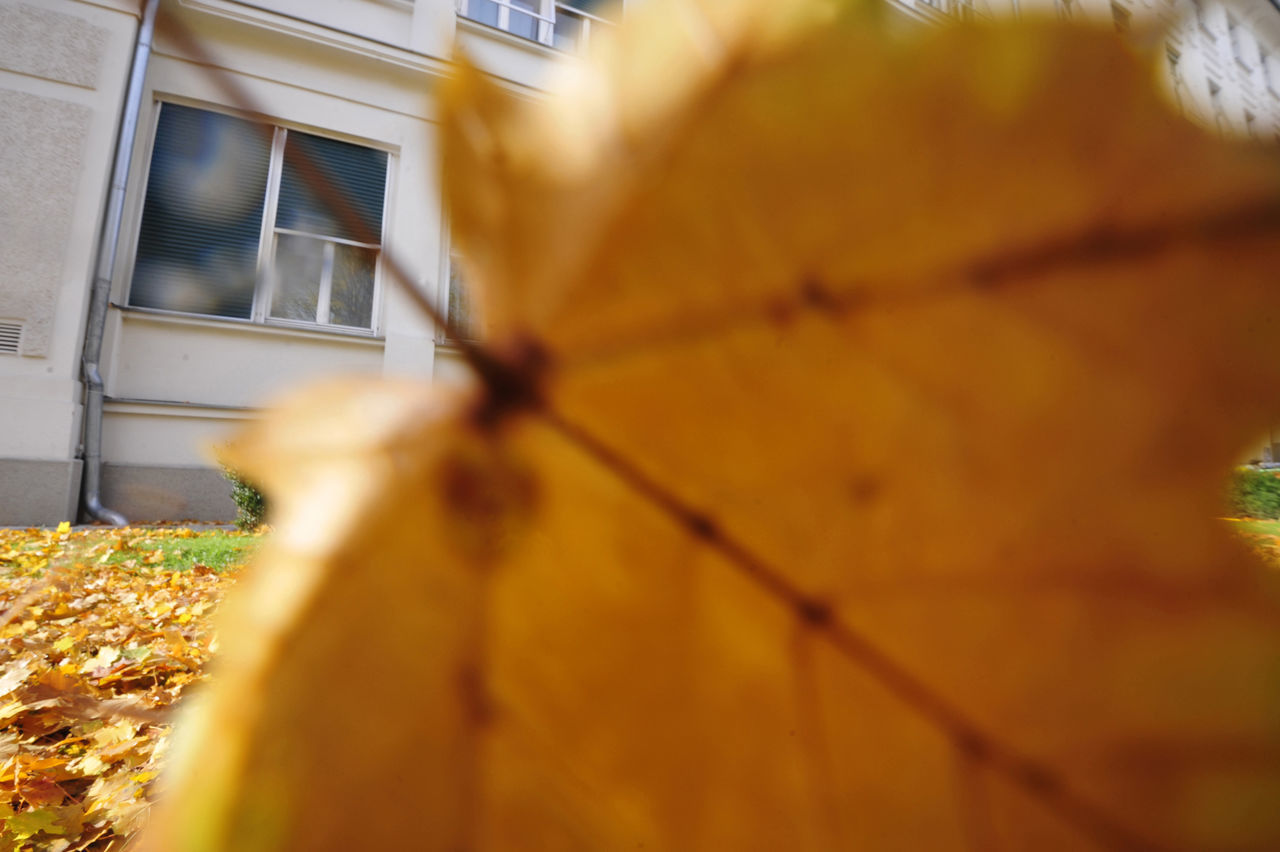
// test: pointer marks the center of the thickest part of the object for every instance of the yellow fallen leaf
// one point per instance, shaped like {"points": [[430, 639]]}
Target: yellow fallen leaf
{"points": [[15, 673], [11, 709], [29, 823], [89, 764], [64, 528], [104, 659], [847, 481], [117, 732]]}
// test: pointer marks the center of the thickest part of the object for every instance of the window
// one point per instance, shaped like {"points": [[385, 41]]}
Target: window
{"points": [[1237, 41], [563, 25], [1202, 18], [461, 309], [1174, 58], [1120, 17], [1215, 103], [232, 228], [1266, 63]]}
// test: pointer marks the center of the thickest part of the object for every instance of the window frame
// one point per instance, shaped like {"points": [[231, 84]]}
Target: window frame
{"points": [[1202, 19], [1236, 41], [268, 233], [1267, 70], [1121, 17], [546, 17], [472, 326]]}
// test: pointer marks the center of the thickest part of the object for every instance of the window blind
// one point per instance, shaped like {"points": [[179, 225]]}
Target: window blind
{"points": [[355, 174], [202, 215]]}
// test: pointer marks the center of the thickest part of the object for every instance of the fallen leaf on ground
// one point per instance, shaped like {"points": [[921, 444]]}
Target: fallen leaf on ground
{"points": [[84, 692]]}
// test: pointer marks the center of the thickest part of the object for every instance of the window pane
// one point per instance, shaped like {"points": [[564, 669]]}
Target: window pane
{"points": [[202, 216], [568, 28], [484, 11], [298, 267], [355, 178], [607, 9], [461, 313], [520, 23], [351, 297]]}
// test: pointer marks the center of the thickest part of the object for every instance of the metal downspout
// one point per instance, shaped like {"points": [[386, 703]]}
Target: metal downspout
{"points": [[100, 293]]}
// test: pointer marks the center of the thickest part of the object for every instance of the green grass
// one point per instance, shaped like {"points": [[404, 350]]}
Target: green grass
{"points": [[1249, 526], [215, 549]]}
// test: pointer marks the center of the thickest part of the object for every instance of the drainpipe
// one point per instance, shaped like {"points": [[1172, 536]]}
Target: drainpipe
{"points": [[100, 293]]}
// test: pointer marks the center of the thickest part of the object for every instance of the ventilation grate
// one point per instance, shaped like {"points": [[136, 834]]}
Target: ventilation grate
{"points": [[10, 336]]}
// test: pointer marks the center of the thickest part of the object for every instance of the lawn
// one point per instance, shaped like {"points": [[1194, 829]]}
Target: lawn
{"points": [[102, 631], [1252, 527], [1263, 537]]}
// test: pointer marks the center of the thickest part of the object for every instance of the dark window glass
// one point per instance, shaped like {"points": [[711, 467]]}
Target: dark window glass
{"points": [[202, 215], [354, 174], [351, 294]]}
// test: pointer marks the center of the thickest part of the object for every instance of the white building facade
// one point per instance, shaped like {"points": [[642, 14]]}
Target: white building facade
{"points": [[232, 281], [231, 278]]}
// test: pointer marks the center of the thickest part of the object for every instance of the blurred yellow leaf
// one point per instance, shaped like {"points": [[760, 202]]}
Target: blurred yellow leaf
{"points": [[32, 822], [105, 658], [842, 474]]}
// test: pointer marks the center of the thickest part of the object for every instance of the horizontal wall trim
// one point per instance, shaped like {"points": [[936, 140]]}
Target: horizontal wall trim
{"points": [[528, 44], [230, 324], [179, 403], [289, 25]]}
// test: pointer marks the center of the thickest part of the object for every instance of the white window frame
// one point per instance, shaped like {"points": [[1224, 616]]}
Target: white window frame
{"points": [[546, 15], [264, 284]]}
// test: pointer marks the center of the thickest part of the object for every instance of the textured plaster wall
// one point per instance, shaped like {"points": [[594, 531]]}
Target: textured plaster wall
{"points": [[42, 141], [145, 493], [43, 43], [39, 170]]}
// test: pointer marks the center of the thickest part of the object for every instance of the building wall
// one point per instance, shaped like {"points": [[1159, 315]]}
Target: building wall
{"points": [[63, 66], [361, 71], [355, 70]]}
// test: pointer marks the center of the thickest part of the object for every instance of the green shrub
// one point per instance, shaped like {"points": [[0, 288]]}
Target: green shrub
{"points": [[251, 506], [1255, 493]]}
